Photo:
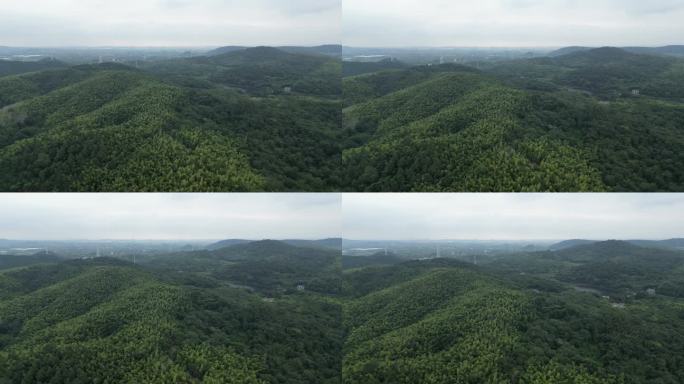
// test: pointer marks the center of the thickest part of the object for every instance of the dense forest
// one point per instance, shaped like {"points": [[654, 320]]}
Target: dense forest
{"points": [[300, 119], [252, 119], [259, 312], [272, 312], [602, 119], [610, 312]]}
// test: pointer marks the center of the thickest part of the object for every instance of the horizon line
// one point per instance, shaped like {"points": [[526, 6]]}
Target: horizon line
{"points": [[164, 46], [506, 46]]}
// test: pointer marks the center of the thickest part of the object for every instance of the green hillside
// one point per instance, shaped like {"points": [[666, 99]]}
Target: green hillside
{"points": [[177, 125], [270, 267], [105, 320], [569, 123], [617, 268], [259, 71], [9, 67], [270, 312], [441, 321]]}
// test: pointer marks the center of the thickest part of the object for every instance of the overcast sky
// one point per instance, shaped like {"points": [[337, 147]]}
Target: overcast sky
{"points": [[512, 216], [169, 216], [169, 22], [506, 23]]}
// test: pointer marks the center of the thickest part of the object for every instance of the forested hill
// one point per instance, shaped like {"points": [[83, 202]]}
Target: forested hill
{"points": [[673, 244], [106, 320], [260, 71], [619, 268], [669, 50], [435, 320], [9, 67], [8, 261], [604, 119], [267, 266], [176, 125], [327, 49]]}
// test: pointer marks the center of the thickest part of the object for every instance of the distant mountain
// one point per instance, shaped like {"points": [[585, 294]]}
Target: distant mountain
{"points": [[257, 55], [622, 269], [332, 243], [269, 249], [8, 67], [567, 50], [570, 243], [670, 50], [605, 55], [13, 261], [334, 50], [262, 71], [267, 266], [226, 243], [226, 49], [601, 250], [673, 50], [329, 50], [670, 243]]}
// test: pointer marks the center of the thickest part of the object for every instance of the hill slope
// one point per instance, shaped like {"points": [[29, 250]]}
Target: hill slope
{"points": [[178, 125], [442, 322], [8, 67], [592, 120], [456, 130], [107, 320], [115, 130]]}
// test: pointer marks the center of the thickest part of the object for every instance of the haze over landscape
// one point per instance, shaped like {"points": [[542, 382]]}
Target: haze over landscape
{"points": [[173, 23], [168, 217], [512, 23], [512, 217]]}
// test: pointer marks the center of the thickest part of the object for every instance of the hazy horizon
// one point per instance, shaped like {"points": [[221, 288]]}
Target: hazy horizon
{"points": [[157, 47], [505, 47]]}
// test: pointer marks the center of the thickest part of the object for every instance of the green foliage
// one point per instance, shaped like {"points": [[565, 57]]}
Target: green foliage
{"points": [[179, 126], [8, 67], [476, 144], [107, 321], [444, 322], [260, 71], [553, 124]]}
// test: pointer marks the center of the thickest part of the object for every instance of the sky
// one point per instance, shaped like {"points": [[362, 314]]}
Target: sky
{"points": [[512, 23], [187, 23], [512, 216], [150, 216]]}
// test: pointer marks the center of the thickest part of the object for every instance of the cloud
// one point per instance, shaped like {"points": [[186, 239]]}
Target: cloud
{"points": [[169, 22], [512, 22], [512, 216], [169, 216]]}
